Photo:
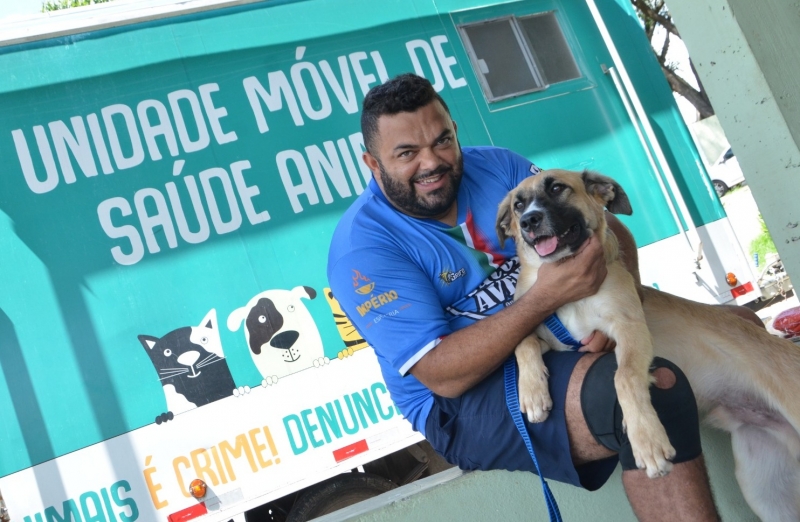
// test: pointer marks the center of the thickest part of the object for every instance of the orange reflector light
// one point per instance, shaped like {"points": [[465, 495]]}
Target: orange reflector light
{"points": [[197, 488], [731, 279]]}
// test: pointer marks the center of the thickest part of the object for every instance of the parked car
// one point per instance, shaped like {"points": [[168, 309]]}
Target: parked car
{"points": [[725, 173]]}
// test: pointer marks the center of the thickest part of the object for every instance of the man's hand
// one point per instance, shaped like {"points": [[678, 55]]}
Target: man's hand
{"points": [[467, 356], [597, 342], [573, 278]]}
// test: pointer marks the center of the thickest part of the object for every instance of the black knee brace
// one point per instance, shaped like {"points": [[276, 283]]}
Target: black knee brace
{"points": [[676, 408]]}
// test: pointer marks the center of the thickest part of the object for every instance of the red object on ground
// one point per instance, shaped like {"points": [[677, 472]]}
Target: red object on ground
{"points": [[788, 321], [350, 451]]}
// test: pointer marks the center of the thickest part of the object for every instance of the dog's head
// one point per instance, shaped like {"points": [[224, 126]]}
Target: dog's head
{"points": [[275, 319], [555, 211]]}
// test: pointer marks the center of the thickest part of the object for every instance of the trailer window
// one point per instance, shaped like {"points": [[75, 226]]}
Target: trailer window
{"points": [[518, 55]]}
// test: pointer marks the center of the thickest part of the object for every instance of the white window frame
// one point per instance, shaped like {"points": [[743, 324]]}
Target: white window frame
{"points": [[524, 45]]}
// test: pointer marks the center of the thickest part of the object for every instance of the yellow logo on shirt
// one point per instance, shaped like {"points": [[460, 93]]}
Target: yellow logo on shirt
{"points": [[362, 284], [376, 301]]}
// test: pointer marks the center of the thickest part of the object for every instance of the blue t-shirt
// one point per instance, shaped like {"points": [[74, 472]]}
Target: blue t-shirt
{"points": [[405, 282]]}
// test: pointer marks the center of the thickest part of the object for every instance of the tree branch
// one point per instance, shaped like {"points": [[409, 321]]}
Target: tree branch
{"points": [[662, 58], [697, 98], [656, 15]]}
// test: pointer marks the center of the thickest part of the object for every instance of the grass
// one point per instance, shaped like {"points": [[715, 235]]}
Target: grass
{"points": [[762, 244], [735, 188], [57, 5]]}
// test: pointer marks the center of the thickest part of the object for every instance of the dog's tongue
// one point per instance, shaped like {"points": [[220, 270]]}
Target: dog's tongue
{"points": [[546, 246]]}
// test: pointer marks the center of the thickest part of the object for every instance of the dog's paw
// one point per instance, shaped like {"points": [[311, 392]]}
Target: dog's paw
{"points": [[534, 396], [241, 391], [347, 352], [269, 381], [651, 447], [322, 361]]}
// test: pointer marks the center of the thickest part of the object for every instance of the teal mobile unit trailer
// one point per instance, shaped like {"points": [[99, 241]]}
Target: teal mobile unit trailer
{"points": [[170, 179]]}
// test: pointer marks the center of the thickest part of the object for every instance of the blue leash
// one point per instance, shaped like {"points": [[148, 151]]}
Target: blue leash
{"points": [[555, 325], [512, 401]]}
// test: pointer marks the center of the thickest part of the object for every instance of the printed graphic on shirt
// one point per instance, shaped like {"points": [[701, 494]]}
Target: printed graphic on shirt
{"points": [[534, 169], [447, 276], [495, 291], [479, 245], [389, 313], [363, 285]]}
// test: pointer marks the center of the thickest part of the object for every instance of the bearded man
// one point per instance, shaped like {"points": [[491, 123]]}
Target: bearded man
{"points": [[416, 265]]}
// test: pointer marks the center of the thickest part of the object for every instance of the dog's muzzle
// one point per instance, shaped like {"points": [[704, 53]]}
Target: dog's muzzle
{"points": [[531, 220]]}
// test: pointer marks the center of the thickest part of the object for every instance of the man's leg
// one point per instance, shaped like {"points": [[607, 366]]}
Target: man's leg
{"points": [[683, 495]]}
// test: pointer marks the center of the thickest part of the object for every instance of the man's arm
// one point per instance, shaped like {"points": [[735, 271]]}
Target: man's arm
{"points": [[467, 356]]}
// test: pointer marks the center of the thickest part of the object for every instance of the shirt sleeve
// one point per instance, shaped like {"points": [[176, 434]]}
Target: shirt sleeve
{"points": [[518, 167], [391, 302]]}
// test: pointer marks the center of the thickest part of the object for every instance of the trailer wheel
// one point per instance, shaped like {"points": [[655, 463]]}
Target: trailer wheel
{"points": [[337, 493], [720, 187]]}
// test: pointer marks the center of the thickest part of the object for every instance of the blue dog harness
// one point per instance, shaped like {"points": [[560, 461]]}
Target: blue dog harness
{"points": [[558, 329]]}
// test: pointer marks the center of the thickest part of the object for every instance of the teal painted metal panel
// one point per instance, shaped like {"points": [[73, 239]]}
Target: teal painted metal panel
{"points": [[96, 307], [73, 371], [577, 124], [657, 98]]}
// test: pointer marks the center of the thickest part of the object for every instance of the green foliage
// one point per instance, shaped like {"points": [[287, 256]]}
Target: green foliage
{"points": [[57, 5], [762, 244]]}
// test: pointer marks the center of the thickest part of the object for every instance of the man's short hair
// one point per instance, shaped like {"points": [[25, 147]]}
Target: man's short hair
{"points": [[404, 93]]}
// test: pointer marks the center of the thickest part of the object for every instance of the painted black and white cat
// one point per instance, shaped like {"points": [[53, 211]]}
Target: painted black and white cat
{"points": [[191, 366]]}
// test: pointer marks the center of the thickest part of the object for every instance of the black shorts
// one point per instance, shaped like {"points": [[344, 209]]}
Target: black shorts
{"points": [[475, 430]]}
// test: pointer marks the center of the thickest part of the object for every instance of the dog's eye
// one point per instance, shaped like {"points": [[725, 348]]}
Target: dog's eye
{"points": [[290, 308], [262, 318], [519, 205], [557, 188], [204, 340], [167, 353]]}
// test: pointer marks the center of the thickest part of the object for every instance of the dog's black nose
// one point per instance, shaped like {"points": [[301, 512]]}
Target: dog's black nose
{"points": [[530, 220], [284, 340]]}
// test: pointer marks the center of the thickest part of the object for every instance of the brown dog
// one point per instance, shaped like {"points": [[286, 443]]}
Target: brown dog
{"points": [[746, 381]]}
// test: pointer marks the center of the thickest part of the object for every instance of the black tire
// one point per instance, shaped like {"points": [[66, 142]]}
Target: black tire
{"points": [[337, 493], [720, 187]]}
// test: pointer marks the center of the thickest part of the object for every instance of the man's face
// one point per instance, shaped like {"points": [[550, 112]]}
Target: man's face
{"points": [[418, 163]]}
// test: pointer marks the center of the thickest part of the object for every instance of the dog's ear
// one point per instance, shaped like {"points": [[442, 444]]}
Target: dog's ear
{"points": [[608, 191], [503, 224], [236, 317]]}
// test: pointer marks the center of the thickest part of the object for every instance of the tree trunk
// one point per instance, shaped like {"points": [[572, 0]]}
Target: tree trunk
{"points": [[697, 98]]}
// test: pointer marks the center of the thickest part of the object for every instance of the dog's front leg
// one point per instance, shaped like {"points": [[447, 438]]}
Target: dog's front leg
{"points": [[534, 395], [649, 442]]}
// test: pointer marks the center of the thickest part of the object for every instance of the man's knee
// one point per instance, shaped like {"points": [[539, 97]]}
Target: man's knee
{"points": [[672, 399]]}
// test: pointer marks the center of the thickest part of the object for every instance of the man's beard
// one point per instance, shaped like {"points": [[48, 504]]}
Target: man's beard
{"points": [[433, 204]]}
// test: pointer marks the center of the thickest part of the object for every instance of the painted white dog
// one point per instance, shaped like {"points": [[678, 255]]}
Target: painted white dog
{"points": [[280, 332]]}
